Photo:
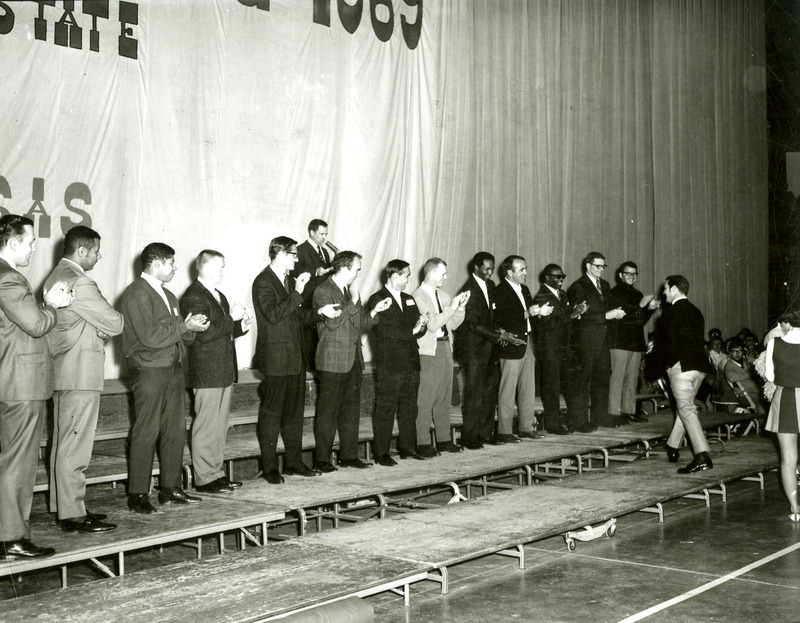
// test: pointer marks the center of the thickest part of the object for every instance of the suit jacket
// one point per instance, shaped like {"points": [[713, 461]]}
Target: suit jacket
{"points": [[26, 370], [78, 352], [280, 317], [628, 332], [308, 261], [511, 317], [396, 348], [340, 338], [590, 330], [551, 333], [681, 338], [447, 317], [153, 335], [212, 355], [476, 337]]}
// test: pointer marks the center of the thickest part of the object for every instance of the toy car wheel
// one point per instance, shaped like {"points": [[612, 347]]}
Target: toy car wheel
{"points": [[611, 530]]}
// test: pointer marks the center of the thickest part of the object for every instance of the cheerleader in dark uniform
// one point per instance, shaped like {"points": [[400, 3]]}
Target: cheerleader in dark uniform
{"points": [[783, 369]]}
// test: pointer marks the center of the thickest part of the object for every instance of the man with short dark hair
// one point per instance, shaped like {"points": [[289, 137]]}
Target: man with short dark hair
{"points": [[340, 361], [515, 311], [281, 317], [436, 358], [154, 340], [396, 365], [681, 344], [312, 258], [76, 344], [626, 339], [551, 339], [24, 389], [475, 351], [212, 370], [591, 346]]}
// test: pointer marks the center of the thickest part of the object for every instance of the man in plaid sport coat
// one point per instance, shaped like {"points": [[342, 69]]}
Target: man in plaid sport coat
{"points": [[339, 362]]}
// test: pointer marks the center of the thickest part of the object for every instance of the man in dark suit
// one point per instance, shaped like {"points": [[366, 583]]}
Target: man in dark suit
{"points": [[76, 344], [25, 384], [212, 370], [312, 258], [474, 349], [340, 361], [154, 341], [396, 365], [681, 348], [591, 346], [280, 319], [551, 338], [515, 311]]}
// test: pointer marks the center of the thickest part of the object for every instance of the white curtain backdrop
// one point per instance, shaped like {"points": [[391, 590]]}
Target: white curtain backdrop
{"points": [[546, 128]]}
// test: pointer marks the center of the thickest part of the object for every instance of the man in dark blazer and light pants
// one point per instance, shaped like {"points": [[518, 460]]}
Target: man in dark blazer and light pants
{"points": [[281, 317], [154, 341], [340, 361], [591, 346], [212, 370], [26, 383], [76, 344]]}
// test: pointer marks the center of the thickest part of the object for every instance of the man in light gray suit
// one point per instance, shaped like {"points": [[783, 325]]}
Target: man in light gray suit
{"points": [[76, 344], [25, 384]]}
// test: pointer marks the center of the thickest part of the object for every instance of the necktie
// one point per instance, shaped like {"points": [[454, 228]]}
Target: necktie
{"points": [[286, 282], [439, 307], [217, 296], [347, 292], [322, 255]]}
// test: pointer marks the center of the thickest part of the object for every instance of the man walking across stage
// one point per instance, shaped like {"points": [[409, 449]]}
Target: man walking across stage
{"points": [[212, 370], [340, 361], [436, 358], [680, 344], [281, 317], [515, 311], [552, 335], [590, 342], [475, 352], [24, 389], [396, 365], [154, 341], [76, 344]]}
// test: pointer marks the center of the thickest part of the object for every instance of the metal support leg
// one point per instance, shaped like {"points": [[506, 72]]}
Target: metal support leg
{"points": [[759, 478], [658, 509], [439, 575], [703, 495], [517, 552], [457, 496], [722, 492]]}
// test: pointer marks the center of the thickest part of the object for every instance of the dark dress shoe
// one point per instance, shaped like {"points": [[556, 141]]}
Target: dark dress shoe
{"points": [[471, 445], [386, 461], [633, 418], [233, 484], [586, 428], [534, 434], [86, 525], [672, 453], [510, 438], [559, 430], [325, 468], [303, 470], [95, 516], [412, 455], [23, 548], [700, 463], [427, 451], [274, 477], [140, 503], [177, 495], [449, 446], [610, 421], [220, 485], [357, 463]]}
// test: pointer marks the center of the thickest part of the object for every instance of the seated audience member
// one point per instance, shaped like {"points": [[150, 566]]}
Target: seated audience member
{"points": [[716, 354], [739, 373]]}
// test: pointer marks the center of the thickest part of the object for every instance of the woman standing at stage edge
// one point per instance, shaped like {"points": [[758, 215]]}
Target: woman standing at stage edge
{"points": [[783, 369]]}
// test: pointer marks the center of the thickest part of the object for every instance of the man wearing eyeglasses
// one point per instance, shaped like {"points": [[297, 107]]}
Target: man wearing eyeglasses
{"points": [[552, 345], [591, 346], [627, 343], [280, 319]]}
